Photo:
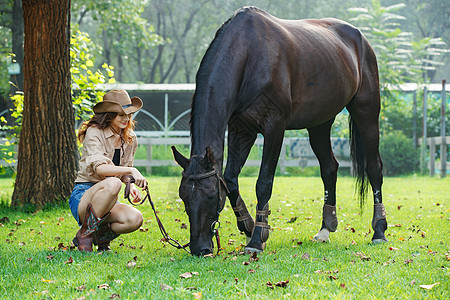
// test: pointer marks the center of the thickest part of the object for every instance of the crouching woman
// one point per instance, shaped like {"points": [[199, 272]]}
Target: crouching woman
{"points": [[109, 145]]}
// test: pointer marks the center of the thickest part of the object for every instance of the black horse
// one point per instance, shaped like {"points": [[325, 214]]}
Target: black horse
{"points": [[266, 75]]}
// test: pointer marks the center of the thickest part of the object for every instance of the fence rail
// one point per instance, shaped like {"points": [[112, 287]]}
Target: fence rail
{"points": [[295, 152], [443, 165]]}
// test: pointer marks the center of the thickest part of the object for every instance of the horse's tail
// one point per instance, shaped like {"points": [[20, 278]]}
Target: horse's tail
{"points": [[358, 161]]}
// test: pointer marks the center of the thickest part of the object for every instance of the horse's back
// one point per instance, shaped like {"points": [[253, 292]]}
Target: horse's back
{"points": [[300, 63]]}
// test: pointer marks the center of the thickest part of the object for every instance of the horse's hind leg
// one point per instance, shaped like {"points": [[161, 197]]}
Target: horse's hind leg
{"points": [[240, 141], [319, 138], [364, 111]]}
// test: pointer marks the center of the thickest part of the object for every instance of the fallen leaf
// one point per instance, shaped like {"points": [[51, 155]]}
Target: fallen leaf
{"points": [[254, 257], [292, 220], [80, 288], [114, 296], [131, 264], [188, 274], [69, 261], [49, 257], [47, 281], [198, 295], [413, 282], [283, 283], [305, 256], [408, 261], [245, 263], [429, 286], [393, 249], [183, 226], [103, 286], [251, 271], [342, 285], [165, 287]]}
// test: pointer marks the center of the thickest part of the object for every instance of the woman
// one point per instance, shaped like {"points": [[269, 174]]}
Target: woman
{"points": [[109, 145]]}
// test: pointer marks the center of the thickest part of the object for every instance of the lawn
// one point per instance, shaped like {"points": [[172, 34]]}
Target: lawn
{"points": [[37, 262]]}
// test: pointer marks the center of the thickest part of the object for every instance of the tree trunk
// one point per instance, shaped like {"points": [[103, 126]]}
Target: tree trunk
{"points": [[47, 160]]}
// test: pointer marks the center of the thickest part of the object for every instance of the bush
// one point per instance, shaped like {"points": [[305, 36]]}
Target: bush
{"points": [[398, 154]]}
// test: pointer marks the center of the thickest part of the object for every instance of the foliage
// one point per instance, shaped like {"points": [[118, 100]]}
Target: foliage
{"points": [[400, 58], [42, 264], [398, 154], [86, 81], [86, 91]]}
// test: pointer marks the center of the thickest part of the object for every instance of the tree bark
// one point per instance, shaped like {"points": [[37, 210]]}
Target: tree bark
{"points": [[47, 159]]}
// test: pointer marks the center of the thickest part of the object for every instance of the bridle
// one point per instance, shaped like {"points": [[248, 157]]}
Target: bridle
{"points": [[220, 204], [215, 225]]}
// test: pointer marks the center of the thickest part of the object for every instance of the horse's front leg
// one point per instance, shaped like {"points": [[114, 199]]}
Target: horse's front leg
{"points": [[264, 184], [239, 144], [319, 138]]}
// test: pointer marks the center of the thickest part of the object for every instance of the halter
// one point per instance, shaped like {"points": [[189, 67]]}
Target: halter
{"points": [[220, 204]]}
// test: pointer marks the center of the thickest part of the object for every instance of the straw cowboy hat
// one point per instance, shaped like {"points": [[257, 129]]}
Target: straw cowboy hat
{"points": [[118, 101]]}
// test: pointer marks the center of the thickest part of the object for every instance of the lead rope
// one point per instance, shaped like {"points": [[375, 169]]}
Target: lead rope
{"points": [[166, 238]]}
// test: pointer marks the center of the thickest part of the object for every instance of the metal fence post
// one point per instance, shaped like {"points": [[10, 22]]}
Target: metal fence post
{"points": [[443, 143], [424, 133]]}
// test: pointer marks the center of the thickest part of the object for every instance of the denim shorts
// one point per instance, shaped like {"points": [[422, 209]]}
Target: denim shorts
{"points": [[75, 198]]}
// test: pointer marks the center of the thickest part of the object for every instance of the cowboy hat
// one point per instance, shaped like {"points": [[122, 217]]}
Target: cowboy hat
{"points": [[118, 101]]}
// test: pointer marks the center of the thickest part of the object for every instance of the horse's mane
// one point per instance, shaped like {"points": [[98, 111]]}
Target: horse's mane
{"points": [[206, 65]]}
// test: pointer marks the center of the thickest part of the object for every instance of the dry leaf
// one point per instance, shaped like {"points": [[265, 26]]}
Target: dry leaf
{"points": [[114, 296], [429, 286], [187, 275], [69, 261], [46, 280], [165, 287], [103, 286], [305, 256], [80, 288], [131, 264], [413, 282], [251, 271], [198, 295]]}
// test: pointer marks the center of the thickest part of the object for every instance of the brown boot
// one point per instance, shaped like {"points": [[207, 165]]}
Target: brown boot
{"points": [[104, 236], [83, 239]]}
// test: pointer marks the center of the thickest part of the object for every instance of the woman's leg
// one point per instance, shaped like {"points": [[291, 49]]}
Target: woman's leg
{"points": [[102, 196], [124, 218]]}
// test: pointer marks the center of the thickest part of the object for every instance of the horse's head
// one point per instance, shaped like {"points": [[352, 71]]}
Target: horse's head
{"points": [[203, 192]]}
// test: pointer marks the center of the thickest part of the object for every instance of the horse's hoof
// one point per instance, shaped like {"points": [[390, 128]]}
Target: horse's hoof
{"points": [[379, 241], [322, 236], [251, 249]]}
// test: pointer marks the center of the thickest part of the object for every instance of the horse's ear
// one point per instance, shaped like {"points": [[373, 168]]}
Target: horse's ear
{"points": [[210, 156], [179, 158]]}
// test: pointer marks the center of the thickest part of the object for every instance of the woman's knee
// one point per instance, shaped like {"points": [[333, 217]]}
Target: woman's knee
{"points": [[112, 185], [136, 220]]}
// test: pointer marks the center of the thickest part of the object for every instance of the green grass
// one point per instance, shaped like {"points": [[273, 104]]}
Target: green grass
{"points": [[34, 253]]}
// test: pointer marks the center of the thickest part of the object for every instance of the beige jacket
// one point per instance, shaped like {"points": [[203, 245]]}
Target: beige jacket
{"points": [[98, 149]]}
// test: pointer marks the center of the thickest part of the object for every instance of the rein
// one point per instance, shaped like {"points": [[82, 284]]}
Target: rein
{"points": [[166, 238]]}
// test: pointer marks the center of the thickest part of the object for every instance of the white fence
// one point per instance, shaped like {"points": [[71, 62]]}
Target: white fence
{"points": [[295, 152]]}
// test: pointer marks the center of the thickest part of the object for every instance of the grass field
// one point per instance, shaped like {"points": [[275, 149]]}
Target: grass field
{"points": [[36, 261]]}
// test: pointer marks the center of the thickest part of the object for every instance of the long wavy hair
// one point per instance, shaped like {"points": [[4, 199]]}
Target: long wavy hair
{"points": [[103, 121]]}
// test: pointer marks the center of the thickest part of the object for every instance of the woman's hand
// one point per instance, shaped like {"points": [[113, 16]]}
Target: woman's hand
{"points": [[139, 180], [135, 194]]}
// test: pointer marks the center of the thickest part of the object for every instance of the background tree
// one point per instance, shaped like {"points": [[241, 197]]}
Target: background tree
{"points": [[47, 161]]}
